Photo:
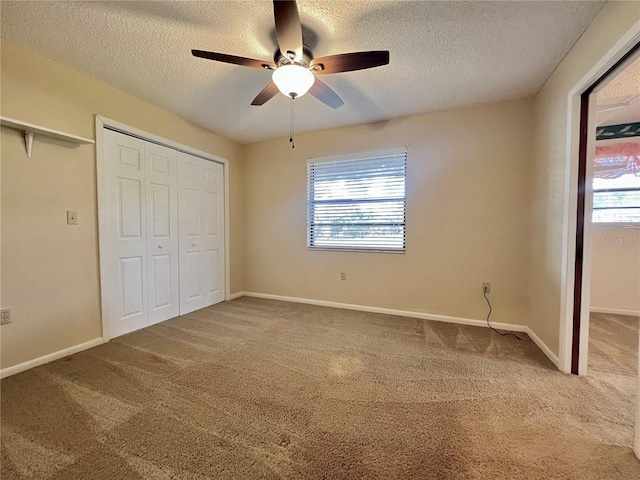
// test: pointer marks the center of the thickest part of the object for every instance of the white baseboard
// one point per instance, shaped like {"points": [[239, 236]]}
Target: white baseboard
{"points": [[543, 346], [408, 313], [615, 311], [390, 311], [233, 296], [36, 362]]}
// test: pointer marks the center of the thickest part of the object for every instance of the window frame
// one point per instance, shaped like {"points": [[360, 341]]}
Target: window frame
{"points": [[354, 157]]}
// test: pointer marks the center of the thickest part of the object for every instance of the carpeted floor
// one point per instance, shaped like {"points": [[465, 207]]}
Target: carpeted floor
{"points": [[613, 347], [254, 389]]}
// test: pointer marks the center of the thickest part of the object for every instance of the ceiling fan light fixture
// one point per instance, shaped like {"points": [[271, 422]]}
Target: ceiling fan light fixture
{"points": [[293, 80]]}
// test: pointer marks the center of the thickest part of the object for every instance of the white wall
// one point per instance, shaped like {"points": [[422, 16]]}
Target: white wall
{"points": [[615, 274]]}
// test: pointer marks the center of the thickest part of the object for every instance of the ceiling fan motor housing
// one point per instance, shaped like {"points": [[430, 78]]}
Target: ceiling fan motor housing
{"points": [[281, 59]]}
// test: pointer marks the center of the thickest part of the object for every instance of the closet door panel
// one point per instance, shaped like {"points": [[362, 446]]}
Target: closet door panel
{"points": [[211, 271], [162, 228], [194, 284], [125, 191], [161, 284], [193, 212], [214, 232], [160, 203], [132, 287], [191, 218]]}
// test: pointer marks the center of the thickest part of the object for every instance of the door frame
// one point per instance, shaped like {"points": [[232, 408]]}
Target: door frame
{"points": [[101, 123], [576, 254]]}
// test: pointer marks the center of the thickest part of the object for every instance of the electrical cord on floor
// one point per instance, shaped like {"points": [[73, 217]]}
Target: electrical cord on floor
{"points": [[503, 334]]}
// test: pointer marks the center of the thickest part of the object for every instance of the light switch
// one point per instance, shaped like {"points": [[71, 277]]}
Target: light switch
{"points": [[72, 217]]}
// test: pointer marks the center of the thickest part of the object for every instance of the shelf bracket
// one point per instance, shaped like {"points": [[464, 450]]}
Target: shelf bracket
{"points": [[28, 142]]}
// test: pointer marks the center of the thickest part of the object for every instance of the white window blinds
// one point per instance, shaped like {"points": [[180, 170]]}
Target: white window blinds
{"points": [[357, 202]]}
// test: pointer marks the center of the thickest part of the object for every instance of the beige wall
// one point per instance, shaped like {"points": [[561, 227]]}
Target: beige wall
{"points": [[49, 269], [467, 216], [548, 175]]}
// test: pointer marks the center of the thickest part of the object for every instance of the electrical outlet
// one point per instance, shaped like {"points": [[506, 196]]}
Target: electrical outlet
{"points": [[343, 275], [72, 217], [486, 287], [6, 316]]}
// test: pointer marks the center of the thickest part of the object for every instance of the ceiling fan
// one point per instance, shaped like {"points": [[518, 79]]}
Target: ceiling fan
{"points": [[294, 66]]}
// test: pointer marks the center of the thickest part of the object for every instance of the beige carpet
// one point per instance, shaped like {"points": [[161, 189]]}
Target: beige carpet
{"points": [[254, 389], [613, 347]]}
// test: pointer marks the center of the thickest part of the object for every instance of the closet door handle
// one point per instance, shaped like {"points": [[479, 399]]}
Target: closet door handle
{"points": [[160, 246], [193, 244]]}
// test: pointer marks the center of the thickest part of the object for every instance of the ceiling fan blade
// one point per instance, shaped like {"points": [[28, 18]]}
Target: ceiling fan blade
{"points": [[348, 62], [223, 57], [288, 27], [327, 96], [266, 94]]}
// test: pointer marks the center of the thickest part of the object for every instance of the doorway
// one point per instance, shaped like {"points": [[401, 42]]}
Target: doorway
{"points": [[614, 220], [584, 210], [574, 346], [615, 254]]}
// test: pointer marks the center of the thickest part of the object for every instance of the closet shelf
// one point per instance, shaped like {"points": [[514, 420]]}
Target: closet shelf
{"points": [[29, 130]]}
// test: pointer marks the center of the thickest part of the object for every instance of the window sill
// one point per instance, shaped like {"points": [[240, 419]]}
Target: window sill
{"points": [[357, 250]]}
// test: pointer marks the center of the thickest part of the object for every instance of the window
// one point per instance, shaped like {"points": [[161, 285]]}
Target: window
{"points": [[357, 202], [616, 184]]}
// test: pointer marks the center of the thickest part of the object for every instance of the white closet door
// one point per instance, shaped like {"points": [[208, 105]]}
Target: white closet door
{"points": [[201, 221], [161, 233], [214, 233], [190, 204], [126, 228], [162, 230]]}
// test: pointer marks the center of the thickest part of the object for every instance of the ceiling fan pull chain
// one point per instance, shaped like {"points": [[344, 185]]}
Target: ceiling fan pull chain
{"points": [[291, 129]]}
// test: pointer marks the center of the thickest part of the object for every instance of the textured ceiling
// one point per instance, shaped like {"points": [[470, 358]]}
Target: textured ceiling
{"points": [[443, 54], [618, 101]]}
